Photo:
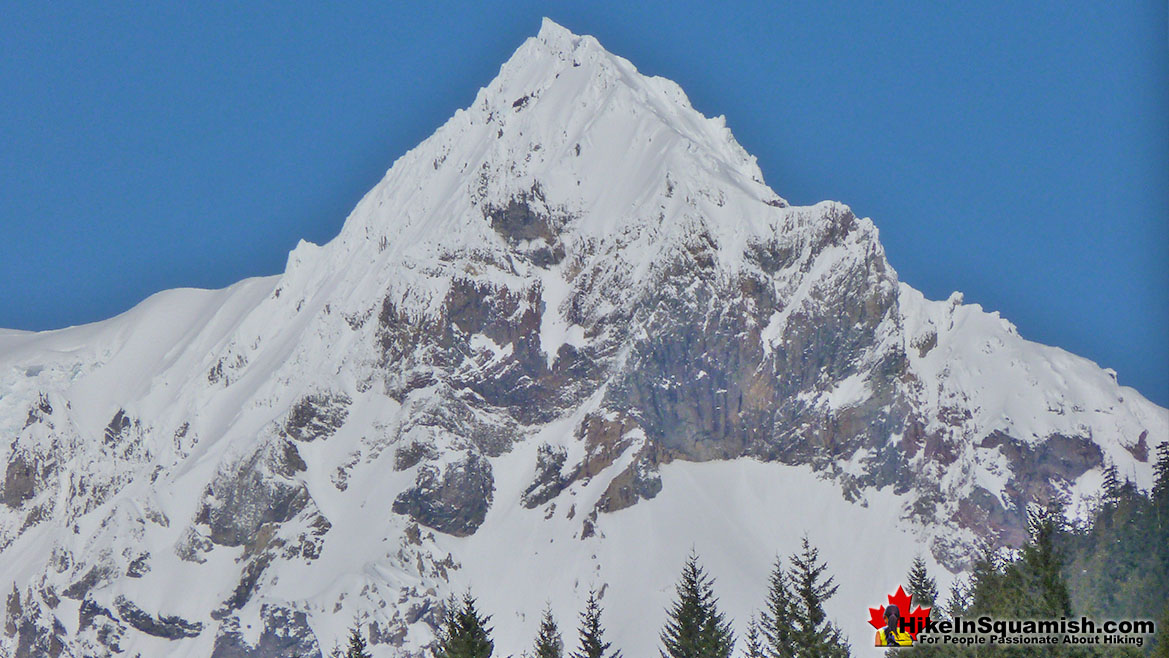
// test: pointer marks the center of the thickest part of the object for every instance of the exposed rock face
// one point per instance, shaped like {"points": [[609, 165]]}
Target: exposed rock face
{"points": [[576, 288], [165, 626], [20, 478], [256, 491], [316, 417], [454, 502], [286, 633], [549, 481]]}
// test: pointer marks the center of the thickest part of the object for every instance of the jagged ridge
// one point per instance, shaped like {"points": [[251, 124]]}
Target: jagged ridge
{"points": [[562, 333]]}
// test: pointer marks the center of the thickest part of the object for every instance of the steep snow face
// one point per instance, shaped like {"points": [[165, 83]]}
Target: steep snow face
{"points": [[568, 337]]}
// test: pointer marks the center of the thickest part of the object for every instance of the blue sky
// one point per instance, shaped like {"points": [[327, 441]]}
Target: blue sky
{"points": [[1018, 152]]}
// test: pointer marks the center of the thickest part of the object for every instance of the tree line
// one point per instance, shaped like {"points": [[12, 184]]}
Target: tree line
{"points": [[792, 622], [1114, 565]]}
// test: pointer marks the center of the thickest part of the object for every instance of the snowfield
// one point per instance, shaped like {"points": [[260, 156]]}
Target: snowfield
{"points": [[567, 339]]}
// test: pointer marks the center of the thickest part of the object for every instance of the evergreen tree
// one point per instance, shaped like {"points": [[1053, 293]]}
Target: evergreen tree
{"points": [[592, 634], [922, 587], [357, 644], [1161, 639], [957, 599], [1161, 475], [1160, 493], [1111, 484], [695, 628], [1044, 592], [814, 635], [464, 632], [753, 646], [776, 620], [548, 642], [984, 590]]}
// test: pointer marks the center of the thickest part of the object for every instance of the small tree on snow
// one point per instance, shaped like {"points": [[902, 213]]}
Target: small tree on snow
{"points": [[922, 588], [548, 642], [464, 632], [357, 644], [592, 634], [695, 628]]}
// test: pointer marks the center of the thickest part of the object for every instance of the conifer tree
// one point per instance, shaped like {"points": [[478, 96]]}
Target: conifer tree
{"points": [[1111, 484], [753, 641], [776, 620], [357, 644], [1161, 472], [1044, 592], [548, 642], [922, 587], [984, 592], [1159, 496], [592, 634], [464, 632], [959, 598], [695, 627], [1161, 639], [814, 635]]}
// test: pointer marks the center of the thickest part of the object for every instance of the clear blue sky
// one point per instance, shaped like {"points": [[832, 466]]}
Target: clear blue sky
{"points": [[1017, 151]]}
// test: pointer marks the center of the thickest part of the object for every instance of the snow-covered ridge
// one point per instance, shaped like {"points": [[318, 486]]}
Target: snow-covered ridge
{"points": [[563, 335]]}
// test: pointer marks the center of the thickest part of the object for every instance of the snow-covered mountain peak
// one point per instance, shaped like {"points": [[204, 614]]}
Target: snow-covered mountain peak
{"points": [[568, 336], [570, 127], [558, 38]]}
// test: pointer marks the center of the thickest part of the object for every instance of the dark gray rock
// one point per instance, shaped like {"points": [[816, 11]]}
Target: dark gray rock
{"points": [[256, 491], [139, 567], [454, 502], [286, 634], [21, 478], [169, 627], [245, 587], [117, 428], [548, 482], [100, 573], [37, 631], [317, 416]]}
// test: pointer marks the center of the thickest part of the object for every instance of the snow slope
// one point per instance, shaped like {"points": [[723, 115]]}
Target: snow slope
{"points": [[568, 338]]}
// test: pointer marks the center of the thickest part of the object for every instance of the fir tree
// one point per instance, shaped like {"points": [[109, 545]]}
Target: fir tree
{"points": [[814, 635], [1160, 492], [695, 628], [753, 646], [548, 642], [1045, 594], [1161, 476], [464, 632], [357, 644], [592, 634], [1111, 484], [959, 598], [1161, 639], [922, 587], [984, 592], [776, 620]]}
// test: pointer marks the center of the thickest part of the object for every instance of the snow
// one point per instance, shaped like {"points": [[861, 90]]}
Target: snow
{"points": [[633, 172], [555, 329], [850, 391], [737, 515], [1021, 388]]}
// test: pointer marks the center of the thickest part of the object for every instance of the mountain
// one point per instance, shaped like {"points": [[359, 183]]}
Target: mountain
{"points": [[569, 337]]}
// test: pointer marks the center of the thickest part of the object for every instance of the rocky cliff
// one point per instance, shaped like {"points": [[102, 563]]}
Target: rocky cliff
{"points": [[568, 337]]}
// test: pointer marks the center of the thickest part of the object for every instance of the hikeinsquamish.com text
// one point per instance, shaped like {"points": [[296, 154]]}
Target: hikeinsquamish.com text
{"points": [[990, 631]]}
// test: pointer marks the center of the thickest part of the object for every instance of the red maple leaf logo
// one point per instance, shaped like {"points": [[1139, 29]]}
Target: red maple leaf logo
{"points": [[912, 622]]}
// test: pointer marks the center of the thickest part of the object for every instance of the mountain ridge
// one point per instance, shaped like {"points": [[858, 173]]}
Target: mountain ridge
{"points": [[567, 308]]}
